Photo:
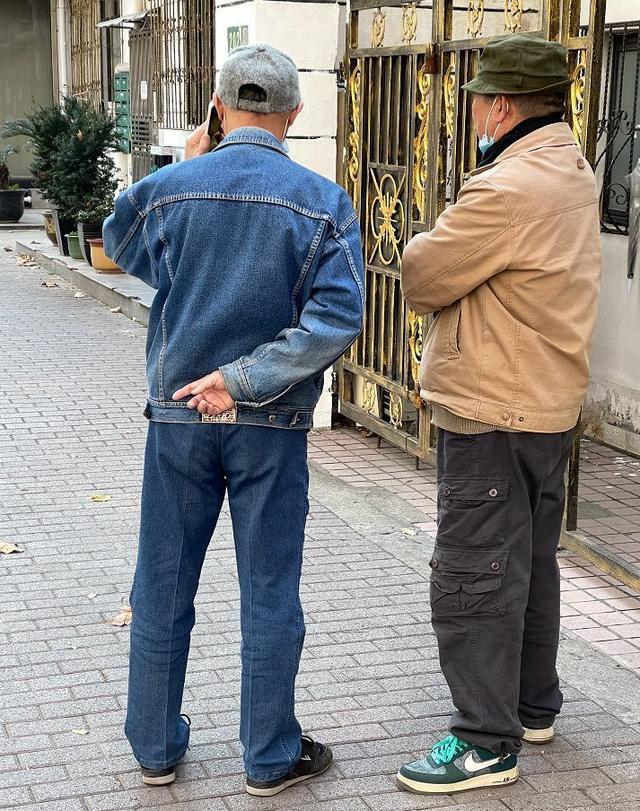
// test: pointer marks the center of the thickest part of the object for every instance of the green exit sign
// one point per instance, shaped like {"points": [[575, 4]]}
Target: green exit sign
{"points": [[237, 35]]}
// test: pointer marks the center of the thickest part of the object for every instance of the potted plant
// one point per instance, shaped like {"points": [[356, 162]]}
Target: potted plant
{"points": [[50, 226], [72, 161], [11, 197], [99, 259], [90, 222], [73, 243]]}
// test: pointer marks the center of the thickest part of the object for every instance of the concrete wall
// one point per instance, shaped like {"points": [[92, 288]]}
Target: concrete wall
{"points": [[612, 409]]}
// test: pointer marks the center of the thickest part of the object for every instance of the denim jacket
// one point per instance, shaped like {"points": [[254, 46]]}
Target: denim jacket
{"points": [[257, 263]]}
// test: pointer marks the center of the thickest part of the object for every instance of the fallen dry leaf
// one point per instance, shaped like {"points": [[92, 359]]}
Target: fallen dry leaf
{"points": [[407, 531], [92, 596], [114, 309], [100, 497], [9, 548], [80, 731], [122, 618], [47, 283], [27, 261], [80, 295]]}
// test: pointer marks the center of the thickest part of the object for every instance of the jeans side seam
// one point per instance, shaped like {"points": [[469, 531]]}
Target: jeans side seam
{"points": [[175, 592]]}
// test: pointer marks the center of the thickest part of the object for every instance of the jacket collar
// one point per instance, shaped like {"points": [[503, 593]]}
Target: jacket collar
{"points": [[253, 135], [553, 135]]}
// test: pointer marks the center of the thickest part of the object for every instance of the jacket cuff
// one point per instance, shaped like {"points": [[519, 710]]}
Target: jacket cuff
{"points": [[235, 381]]}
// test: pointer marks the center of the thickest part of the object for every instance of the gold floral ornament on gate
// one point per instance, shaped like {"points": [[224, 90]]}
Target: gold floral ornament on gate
{"points": [[449, 90], [579, 77], [369, 396], [353, 163], [513, 15], [416, 337], [395, 411], [377, 28], [420, 143], [386, 218], [476, 17], [409, 23]]}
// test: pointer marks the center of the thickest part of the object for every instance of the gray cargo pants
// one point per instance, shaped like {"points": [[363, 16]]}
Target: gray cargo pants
{"points": [[495, 585]]}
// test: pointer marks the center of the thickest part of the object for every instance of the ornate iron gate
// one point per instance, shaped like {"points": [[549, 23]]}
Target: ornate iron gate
{"points": [[409, 142]]}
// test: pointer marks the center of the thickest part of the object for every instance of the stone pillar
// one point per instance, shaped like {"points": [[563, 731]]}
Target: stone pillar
{"points": [[312, 33]]}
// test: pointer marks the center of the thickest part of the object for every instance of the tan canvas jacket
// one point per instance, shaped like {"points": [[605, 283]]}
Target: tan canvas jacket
{"points": [[514, 270]]}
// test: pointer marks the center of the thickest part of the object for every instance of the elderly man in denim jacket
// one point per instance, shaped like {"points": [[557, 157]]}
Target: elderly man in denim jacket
{"points": [[258, 269]]}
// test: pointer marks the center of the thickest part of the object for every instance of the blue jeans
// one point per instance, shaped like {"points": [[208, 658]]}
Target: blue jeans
{"points": [[188, 469]]}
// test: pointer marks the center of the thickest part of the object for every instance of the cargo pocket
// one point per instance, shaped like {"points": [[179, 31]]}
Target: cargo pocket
{"points": [[472, 511], [467, 581]]}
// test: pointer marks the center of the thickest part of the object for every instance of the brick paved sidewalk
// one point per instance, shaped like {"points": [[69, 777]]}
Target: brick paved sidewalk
{"points": [[596, 606], [370, 683]]}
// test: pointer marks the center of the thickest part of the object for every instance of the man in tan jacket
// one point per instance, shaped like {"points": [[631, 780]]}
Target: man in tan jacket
{"points": [[512, 270]]}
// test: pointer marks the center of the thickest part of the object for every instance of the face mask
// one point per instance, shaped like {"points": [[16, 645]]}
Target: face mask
{"points": [[487, 141]]}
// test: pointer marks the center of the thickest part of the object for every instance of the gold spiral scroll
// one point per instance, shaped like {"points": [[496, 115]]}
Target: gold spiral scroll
{"points": [[377, 28], [449, 90], [369, 396], [579, 77], [476, 17], [395, 411], [416, 338], [512, 15], [353, 163], [409, 23], [420, 143]]}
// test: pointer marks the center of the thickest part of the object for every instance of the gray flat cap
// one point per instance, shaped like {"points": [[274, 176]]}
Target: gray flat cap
{"points": [[260, 79]]}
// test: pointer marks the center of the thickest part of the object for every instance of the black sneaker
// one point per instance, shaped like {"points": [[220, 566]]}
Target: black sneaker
{"points": [[161, 777], [314, 760]]}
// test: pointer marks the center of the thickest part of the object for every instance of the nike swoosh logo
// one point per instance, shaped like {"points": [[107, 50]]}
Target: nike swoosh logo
{"points": [[305, 757], [472, 765]]}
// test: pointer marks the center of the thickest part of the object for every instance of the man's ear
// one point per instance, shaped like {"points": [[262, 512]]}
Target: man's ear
{"points": [[219, 105], [504, 107]]}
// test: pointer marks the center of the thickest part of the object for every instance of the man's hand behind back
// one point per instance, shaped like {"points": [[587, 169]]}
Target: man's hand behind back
{"points": [[209, 395]]}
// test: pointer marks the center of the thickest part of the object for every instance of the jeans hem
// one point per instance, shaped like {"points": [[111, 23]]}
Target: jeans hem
{"points": [[268, 776], [159, 764]]}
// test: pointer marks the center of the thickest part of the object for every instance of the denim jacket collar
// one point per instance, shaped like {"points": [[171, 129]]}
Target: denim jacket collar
{"points": [[253, 135]]}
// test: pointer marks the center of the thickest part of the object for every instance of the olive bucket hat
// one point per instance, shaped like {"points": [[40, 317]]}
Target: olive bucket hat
{"points": [[515, 64]]}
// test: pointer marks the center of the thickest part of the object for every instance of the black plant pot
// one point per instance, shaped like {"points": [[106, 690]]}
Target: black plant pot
{"points": [[11, 205], [64, 225], [87, 231]]}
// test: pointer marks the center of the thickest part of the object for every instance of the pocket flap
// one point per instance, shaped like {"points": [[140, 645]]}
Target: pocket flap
{"points": [[475, 489], [447, 560], [483, 586], [442, 584]]}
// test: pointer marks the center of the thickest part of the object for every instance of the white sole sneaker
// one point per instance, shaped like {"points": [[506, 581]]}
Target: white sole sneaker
{"points": [[539, 736], [159, 779], [482, 781]]}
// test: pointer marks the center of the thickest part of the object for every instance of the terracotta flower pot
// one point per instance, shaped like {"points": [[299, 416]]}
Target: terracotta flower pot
{"points": [[49, 226], [100, 260]]}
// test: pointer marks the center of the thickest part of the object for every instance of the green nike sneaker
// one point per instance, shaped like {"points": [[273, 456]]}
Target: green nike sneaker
{"points": [[455, 765]]}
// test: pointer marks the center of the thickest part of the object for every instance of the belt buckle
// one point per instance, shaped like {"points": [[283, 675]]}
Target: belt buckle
{"points": [[229, 417]]}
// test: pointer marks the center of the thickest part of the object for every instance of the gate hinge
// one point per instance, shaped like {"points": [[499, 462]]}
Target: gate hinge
{"points": [[334, 383]]}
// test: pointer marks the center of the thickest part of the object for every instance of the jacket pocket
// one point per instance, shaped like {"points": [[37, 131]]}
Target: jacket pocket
{"points": [[467, 581], [453, 325], [472, 510]]}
